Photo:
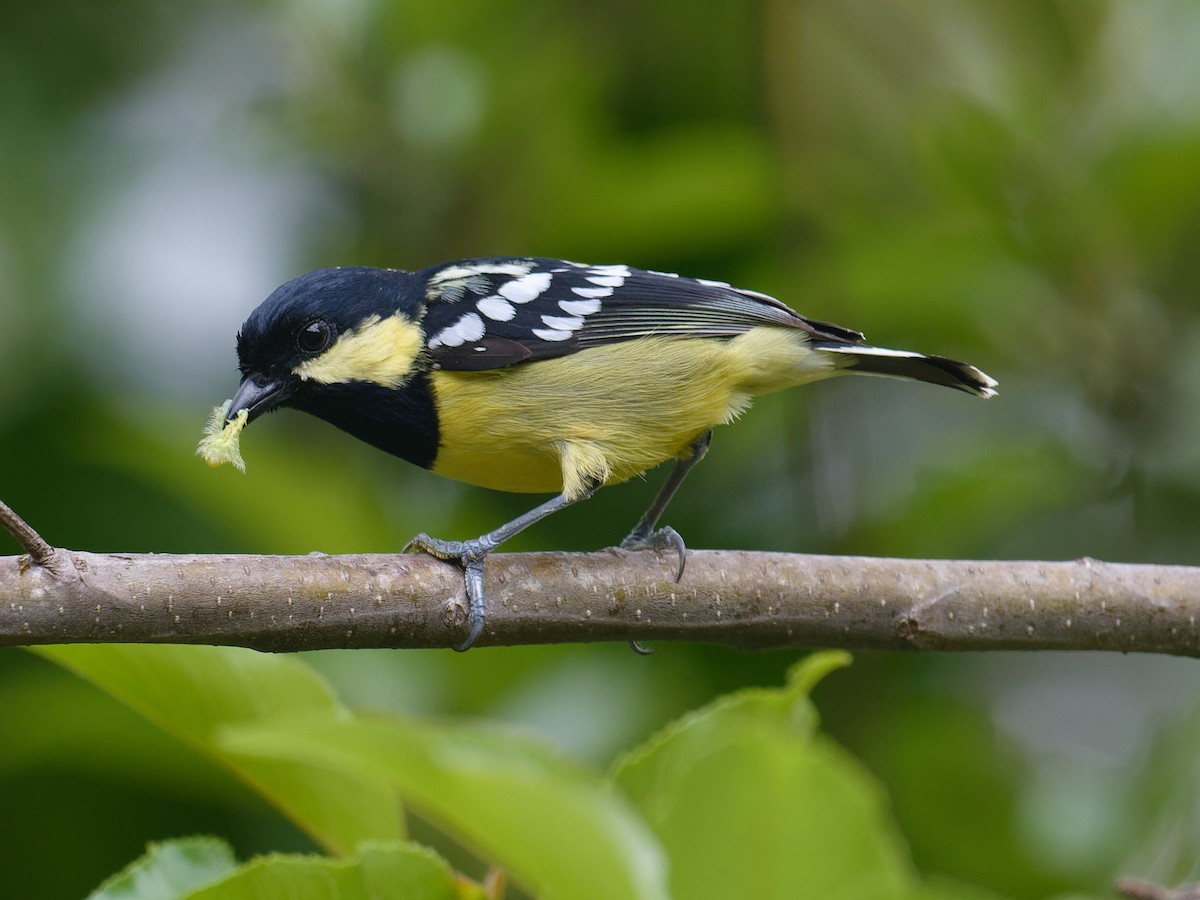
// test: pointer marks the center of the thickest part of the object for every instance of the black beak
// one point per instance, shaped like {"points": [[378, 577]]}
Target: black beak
{"points": [[257, 395]]}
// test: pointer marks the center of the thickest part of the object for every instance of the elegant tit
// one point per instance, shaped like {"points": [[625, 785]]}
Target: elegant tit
{"points": [[538, 375]]}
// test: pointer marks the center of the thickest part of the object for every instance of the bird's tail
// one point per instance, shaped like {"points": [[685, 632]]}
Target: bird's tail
{"points": [[951, 373]]}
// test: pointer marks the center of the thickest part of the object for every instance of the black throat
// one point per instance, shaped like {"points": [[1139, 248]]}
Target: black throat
{"points": [[401, 421]]}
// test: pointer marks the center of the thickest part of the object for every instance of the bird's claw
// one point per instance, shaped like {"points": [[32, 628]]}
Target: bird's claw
{"points": [[473, 569], [469, 555], [423, 543], [665, 538]]}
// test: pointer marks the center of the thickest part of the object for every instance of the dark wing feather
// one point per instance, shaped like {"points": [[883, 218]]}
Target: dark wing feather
{"points": [[494, 312]]}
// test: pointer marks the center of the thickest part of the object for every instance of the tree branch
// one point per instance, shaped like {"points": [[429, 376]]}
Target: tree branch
{"points": [[40, 552], [749, 600]]}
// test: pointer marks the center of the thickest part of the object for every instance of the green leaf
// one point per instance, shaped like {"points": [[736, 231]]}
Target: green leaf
{"points": [[205, 869], [394, 870], [750, 802], [168, 870], [193, 692], [557, 827]]}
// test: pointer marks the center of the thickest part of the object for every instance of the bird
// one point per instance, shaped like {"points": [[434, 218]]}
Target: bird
{"points": [[539, 375]]}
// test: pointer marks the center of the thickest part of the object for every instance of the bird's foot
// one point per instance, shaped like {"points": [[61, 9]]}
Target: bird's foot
{"points": [[665, 538], [470, 556]]}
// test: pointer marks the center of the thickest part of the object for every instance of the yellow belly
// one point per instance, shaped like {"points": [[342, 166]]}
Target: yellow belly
{"points": [[606, 413]]}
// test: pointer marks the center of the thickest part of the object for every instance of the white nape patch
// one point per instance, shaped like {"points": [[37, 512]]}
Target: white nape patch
{"points": [[593, 292], [450, 273], [563, 323], [496, 308], [513, 268], [579, 307], [613, 281], [551, 334], [716, 284], [663, 274], [620, 271], [522, 290], [468, 328]]}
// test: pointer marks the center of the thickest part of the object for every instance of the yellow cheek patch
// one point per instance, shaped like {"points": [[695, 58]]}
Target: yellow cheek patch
{"points": [[220, 442], [381, 351]]}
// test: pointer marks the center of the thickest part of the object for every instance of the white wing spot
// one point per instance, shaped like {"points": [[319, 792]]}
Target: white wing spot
{"points": [[621, 271], [579, 307], [593, 292], [526, 288], [613, 281], [563, 323], [496, 308], [552, 334], [471, 327], [707, 283], [468, 328], [663, 274]]}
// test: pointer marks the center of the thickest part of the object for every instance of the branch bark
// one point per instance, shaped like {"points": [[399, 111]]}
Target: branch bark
{"points": [[748, 600], [35, 545]]}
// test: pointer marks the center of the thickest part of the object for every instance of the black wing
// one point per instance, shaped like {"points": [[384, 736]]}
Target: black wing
{"points": [[494, 312]]}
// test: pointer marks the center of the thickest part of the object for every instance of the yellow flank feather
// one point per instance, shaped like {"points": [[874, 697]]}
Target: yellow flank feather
{"points": [[381, 351], [607, 413], [220, 442]]}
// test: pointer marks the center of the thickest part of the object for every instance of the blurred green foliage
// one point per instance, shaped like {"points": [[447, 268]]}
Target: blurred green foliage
{"points": [[742, 797], [1012, 182]]}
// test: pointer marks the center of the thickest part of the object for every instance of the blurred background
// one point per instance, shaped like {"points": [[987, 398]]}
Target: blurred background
{"points": [[1011, 182]]}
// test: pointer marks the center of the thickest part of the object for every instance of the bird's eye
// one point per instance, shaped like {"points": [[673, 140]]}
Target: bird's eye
{"points": [[315, 336]]}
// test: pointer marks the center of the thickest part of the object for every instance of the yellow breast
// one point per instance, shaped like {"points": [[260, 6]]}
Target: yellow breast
{"points": [[609, 412]]}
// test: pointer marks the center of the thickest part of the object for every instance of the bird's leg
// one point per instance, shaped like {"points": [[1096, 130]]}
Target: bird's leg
{"points": [[644, 536], [471, 554]]}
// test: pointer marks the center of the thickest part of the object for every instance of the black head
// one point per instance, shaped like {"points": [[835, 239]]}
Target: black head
{"points": [[327, 328]]}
